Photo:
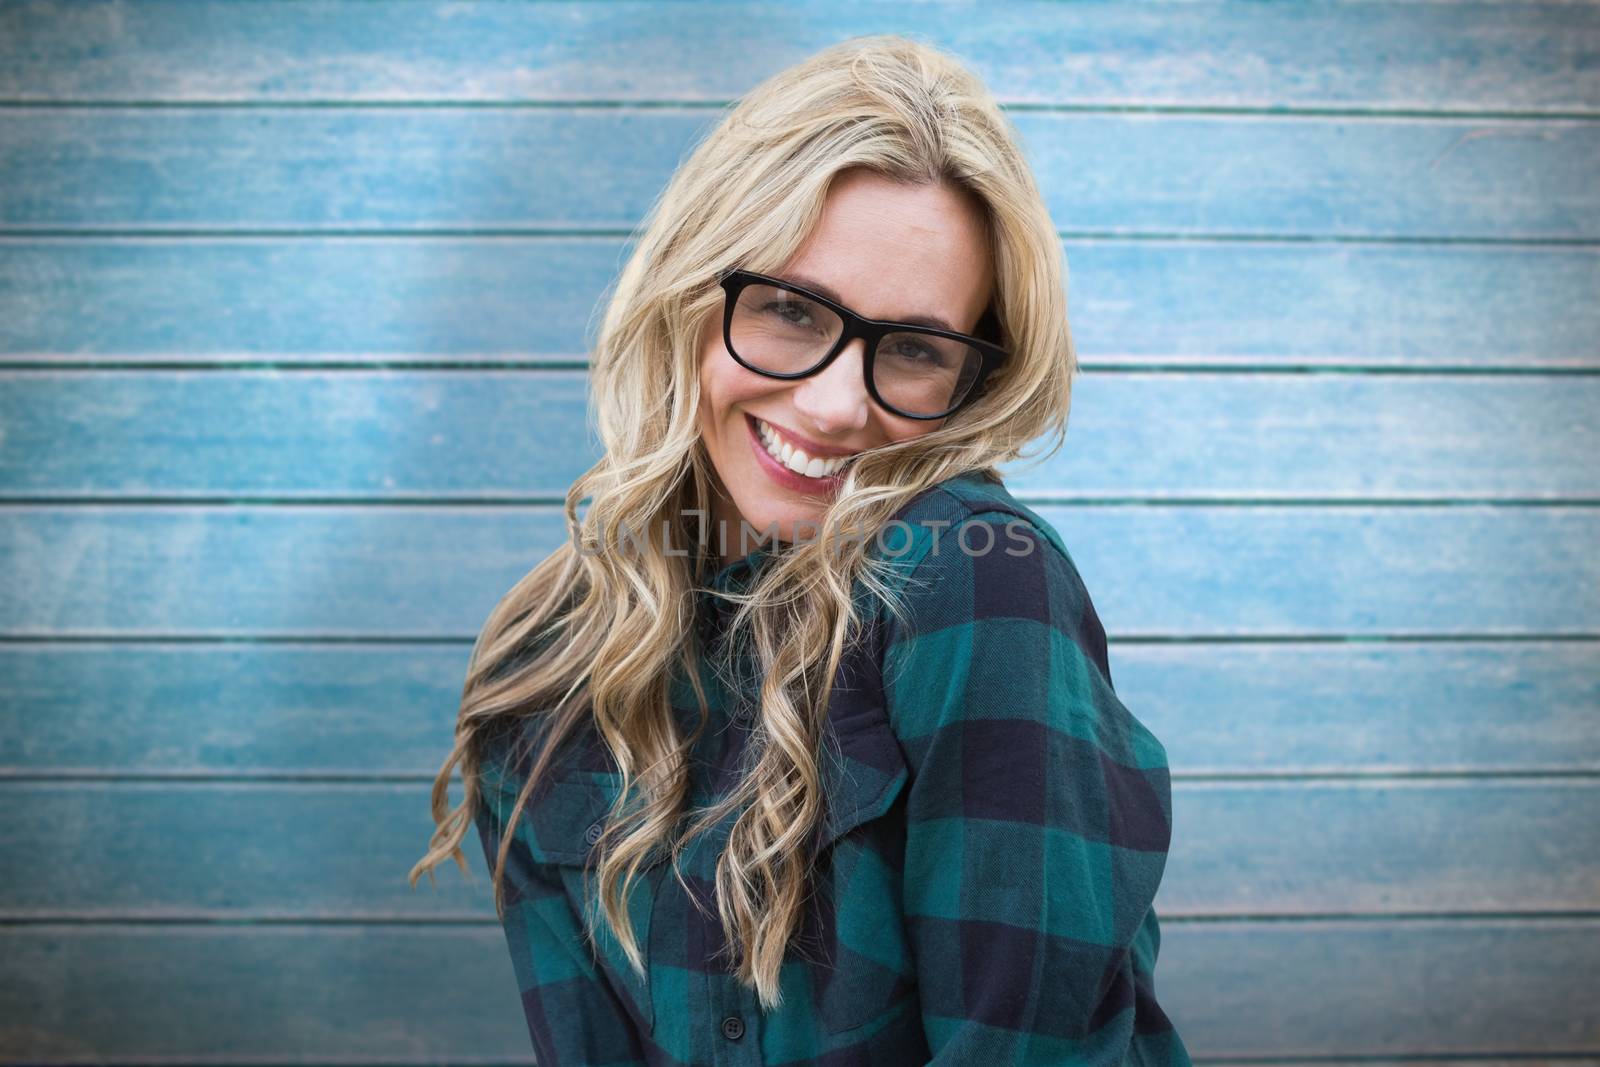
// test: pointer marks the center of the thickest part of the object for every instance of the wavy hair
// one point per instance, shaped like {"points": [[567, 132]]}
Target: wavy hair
{"points": [[592, 635]]}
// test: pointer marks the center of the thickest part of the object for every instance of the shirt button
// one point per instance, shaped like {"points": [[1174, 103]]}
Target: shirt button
{"points": [[592, 834], [733, 1028]]}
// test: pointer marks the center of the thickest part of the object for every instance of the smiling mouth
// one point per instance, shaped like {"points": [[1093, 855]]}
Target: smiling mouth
{"points": [[795, 459]]}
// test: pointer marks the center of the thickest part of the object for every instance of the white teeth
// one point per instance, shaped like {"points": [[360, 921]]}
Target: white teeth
{"points": [[795, 458]]}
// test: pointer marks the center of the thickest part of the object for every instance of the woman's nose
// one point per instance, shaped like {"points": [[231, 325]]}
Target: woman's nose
{"points": [[835, 399]]}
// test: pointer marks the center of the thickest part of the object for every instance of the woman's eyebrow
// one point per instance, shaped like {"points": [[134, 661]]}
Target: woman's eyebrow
{"points": [[823, 289]]}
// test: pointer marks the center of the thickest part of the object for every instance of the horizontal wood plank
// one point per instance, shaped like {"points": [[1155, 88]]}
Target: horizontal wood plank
{"points": [[1154, 571], [260, 850], [229, 709], [1384, 846], [303, 850], [1433, 56], [1366, 707], [406, 169], [259, 994], [410, 995], [393, 299], [1395, 988], [447, 434], [356, 709]]}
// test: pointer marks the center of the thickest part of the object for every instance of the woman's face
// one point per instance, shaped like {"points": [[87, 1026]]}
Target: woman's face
{"points": [[886, 251]]}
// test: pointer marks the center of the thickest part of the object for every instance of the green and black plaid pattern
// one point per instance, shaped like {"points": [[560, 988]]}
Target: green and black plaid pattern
{"points": [[997, 826]]}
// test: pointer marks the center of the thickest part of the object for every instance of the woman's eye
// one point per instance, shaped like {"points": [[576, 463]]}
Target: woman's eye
{"points": [[790, 311], [916, 352]]}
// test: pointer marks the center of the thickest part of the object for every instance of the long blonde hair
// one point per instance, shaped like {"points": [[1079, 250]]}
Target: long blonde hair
{"points": [[608, 627]]}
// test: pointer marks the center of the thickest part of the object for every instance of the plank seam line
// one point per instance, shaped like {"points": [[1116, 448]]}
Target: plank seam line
{"points": [[19, 921], [21, 778], [539, 233], [1255, 368], [1374, 112], [556, 503], [406, 640]]}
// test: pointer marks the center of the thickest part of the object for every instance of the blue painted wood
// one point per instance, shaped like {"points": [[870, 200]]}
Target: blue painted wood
{"points": [[236, 710], [1501, 988], [402, 994], [1458, 706], [1435, 56], [1154, 571], [451, 434], [406, 169], [463, 298], [1384, 846], [339, 168], [1361, 188], [1471, 987], [310, 711], [258, 850], [348, 299], [301, 850], [1351, 571]]}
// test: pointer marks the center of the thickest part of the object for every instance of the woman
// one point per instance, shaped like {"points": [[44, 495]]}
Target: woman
{"points": [[808, 735]]}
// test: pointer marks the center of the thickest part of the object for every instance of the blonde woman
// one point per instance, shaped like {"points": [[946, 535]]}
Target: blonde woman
{"points": [[804, 748]]}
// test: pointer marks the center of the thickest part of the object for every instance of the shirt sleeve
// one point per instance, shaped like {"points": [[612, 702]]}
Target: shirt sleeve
{"points": [[574, 1016], [1038, 812]]}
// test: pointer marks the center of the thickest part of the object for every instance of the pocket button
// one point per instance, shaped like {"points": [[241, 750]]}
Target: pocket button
{"points": [[592, 834]]}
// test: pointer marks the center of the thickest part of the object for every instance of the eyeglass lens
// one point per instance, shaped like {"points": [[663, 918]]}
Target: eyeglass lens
{"points": [[785, 332]]}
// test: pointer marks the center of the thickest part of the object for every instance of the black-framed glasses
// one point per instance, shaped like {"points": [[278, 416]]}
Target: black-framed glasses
{"points": [[781, 330]]}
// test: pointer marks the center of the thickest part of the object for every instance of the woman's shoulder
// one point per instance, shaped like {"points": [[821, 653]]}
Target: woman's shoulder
{"points": [[1007, 623], [973, 523], [972, 556]]}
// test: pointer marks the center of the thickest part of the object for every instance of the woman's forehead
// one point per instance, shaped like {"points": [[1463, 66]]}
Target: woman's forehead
{"points": [[889, 250]]}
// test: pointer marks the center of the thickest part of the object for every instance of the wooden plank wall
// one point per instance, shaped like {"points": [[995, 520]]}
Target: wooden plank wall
{"points": [[293, 309]]}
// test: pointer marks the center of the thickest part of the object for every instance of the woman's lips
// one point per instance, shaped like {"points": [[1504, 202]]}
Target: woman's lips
{"points": [[782, 474]]}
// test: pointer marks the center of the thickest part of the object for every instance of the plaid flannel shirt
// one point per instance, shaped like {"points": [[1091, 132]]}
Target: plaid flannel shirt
{"points": [[996, 827]]}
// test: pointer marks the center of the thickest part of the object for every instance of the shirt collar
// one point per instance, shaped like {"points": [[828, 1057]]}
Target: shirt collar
{"points": [[713, 610], [731, 574]]}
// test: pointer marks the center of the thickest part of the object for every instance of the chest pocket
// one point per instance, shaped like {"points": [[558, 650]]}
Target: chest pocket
{"points": [[865, 966], [560, 825]]}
